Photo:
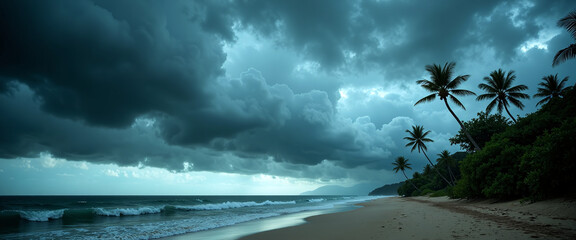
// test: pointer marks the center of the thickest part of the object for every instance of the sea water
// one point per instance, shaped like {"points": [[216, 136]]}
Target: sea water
{"points": [[145, 217]]}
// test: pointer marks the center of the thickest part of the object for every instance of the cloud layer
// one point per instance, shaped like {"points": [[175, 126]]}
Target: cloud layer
{"points": [[295, 88]]}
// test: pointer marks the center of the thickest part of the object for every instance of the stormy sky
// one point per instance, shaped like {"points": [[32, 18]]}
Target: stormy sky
{"points": [[246, 96]]}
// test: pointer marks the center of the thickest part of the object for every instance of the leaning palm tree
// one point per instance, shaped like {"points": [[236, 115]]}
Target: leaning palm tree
{"points": [[417, 140], [446, 159], [550, 89], [499, 88], [568, 22], [401, 164], [441, 84]]}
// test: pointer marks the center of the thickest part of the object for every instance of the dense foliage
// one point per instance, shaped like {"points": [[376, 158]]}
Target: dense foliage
{"points": [[481, 129], [429, 181], [534, 158]]}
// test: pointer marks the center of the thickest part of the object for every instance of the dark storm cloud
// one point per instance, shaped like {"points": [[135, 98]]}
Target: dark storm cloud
{"points": [[107, 62], [142, 83], [399, 35]]}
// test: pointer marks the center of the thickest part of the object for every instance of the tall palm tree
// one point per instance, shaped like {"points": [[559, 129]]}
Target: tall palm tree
{"points": [[417, 140], [550, 89], [441, 84], [446, 159], [499, 88], [568, 22], [401, 164]]}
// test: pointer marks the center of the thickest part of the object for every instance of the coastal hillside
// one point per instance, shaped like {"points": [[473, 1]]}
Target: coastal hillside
{"points": [[388, 189]]}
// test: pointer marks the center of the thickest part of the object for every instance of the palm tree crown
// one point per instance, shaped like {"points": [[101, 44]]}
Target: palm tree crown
{"points": [[499, 88], [401, 164], [443, 85], [568, 22], [445, 158], [550, 89], [418, 138]]}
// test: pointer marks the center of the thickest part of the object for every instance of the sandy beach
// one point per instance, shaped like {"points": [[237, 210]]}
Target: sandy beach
{"points": [[437, 218]]}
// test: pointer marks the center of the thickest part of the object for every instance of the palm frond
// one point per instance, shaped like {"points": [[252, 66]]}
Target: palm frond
{"points": [[462, 92], [457, 81], [569, 22], [428, 98], [414, 147], [409, 138], [518, 88], [543, 101], [486, 96], [491, 105], [487, 87], [519, 95], [516, 103], [564, 54], [457, 102]]}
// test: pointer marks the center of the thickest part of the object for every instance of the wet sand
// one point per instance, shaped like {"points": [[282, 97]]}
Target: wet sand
{"points": [[437, 218]]}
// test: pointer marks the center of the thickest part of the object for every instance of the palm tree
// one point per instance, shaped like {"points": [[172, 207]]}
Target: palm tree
{"points": [[401, 164], [550, 89], [418, 141], [446, 159], [499, 89], [441, 85], [568, 22]]}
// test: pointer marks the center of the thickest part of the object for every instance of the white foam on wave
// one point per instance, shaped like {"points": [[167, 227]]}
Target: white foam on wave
{"points": [[314, 200], [117, 212], [41, 215], [229, 205]]}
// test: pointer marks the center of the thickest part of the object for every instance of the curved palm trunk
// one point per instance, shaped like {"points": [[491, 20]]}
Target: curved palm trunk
{"points": [[452, 177], [434, 166], [509, 114], [477, 148], [410, 181]]}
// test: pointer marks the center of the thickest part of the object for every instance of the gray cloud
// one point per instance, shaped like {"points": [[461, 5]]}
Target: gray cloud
{"points": [[106, 63]]}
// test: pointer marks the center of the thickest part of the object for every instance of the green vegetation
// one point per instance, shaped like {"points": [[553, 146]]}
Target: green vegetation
{"points": [[534, 158], [498, 88], [418, 141], [481, 128], [551, 88], [402, 164]]}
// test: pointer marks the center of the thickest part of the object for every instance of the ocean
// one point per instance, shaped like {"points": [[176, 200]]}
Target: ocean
{"points": [[149, 217]]}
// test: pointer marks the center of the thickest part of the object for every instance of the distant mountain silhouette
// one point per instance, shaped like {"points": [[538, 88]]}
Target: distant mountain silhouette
{"points": [[388, 189], [360, 189]]}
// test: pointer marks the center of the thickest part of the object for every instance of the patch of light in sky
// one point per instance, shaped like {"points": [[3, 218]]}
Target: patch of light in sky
{"points": [[112, 179], [307, 66], [343, 94], [541, 42]]}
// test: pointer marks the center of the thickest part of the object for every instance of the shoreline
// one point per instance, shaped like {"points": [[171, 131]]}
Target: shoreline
{"points": [[437, 218], [248, 228]]}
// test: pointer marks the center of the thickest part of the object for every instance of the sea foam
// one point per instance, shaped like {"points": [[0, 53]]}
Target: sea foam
{"points": [[229, 205], [117, 212], [41, 216]]}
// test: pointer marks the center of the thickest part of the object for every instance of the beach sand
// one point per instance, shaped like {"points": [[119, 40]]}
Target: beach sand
{"points": [[437, 218]]}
